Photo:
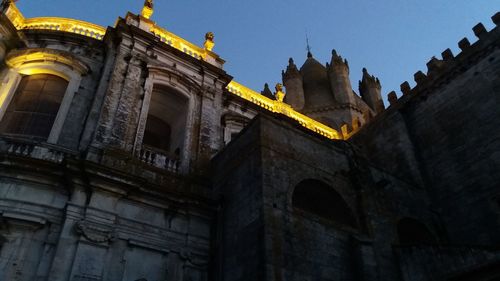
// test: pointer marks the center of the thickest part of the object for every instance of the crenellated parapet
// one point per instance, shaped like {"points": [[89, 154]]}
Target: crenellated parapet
{"points": [[441, 71]]}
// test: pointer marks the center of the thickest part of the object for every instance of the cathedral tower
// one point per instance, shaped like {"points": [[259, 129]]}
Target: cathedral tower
{"points": [[338, 72], [369, 89], [292, 80]]}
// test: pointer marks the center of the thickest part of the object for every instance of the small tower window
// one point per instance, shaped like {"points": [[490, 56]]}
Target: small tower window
{"points": [[34, 106]]}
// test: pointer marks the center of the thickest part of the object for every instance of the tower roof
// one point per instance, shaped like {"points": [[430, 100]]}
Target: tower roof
{"points": [[316, 85]]}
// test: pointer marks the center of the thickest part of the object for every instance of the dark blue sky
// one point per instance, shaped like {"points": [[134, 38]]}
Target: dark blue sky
{"points": [[392, 38]]}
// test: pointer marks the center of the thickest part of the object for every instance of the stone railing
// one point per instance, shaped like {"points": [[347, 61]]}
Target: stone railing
{"points": [[282, 108], [54, 23], [185, 46], [159, 158], [33, 149]]}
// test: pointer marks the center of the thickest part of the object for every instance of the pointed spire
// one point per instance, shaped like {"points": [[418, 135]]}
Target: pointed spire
{"points": [[147, 9], [308, 47], [291, 70], [370, 91], [337, 60], [367, 78], [267, 92]]}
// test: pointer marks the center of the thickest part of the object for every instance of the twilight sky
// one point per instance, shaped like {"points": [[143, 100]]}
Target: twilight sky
{"points": [[393, 39]]}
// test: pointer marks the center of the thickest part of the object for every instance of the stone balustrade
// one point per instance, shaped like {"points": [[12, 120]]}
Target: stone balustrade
{"points": [[33, 149], [159, 158], [282, 108], [54, 23]]}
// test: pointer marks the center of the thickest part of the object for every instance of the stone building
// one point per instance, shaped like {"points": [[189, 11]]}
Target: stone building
{"points": [[128, 153]]}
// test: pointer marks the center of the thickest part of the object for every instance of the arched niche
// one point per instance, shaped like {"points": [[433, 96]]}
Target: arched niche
{"points": [[166, 120], [318, 198], [413, 232]]}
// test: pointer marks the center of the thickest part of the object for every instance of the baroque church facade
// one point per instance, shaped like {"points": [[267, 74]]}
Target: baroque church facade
{"points": [[127, 153]]}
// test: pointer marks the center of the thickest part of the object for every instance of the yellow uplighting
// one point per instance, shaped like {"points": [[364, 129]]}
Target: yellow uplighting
{"points": [[147, 9], [282, 108], [42, 57], [185, 46], [53, 23], [98, 32]]}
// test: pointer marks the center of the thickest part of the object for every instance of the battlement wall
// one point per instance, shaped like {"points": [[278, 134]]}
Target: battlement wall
{"points": [[443, 134]]}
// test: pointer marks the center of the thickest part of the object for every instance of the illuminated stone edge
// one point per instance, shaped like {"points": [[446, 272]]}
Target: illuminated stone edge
{"points": [[282, 108], [98, 32]]}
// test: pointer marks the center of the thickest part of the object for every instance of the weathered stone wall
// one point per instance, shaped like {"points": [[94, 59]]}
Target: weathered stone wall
{"points": [[90, 52], [240, 235], [70, 220], [258, 210], [444, 133]]}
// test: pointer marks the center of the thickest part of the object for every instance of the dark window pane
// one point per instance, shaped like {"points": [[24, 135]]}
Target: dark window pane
{"points": [[157, 133], [34, 106]]}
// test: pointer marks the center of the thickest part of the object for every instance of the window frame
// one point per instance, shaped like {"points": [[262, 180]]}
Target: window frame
{"points": [[42, 61], [159, 76]]}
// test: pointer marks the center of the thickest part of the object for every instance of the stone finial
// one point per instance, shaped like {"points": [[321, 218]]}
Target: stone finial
{"points": [[369, 79], [279, 95], [336, 58], [147, 9], [447, 55], [496, 18], [267, 92], [479, 30], [392, 97], [291, 70], [464, 44], [405, 88], [209, 41]]}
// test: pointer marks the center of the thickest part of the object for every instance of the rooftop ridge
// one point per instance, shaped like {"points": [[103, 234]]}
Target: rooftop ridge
{"points": [[54, 23], [440, 71], [282, 108]]}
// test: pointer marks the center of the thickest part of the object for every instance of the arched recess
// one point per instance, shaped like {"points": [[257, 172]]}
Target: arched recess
{"points": [[34, 62], [413, 232], [167, 118], [318, 198]]}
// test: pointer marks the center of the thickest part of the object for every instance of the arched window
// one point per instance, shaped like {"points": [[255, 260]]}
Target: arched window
{"points": [[157, 133], [316, 197], [166, 121], [413, 232], [34, 106]]}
